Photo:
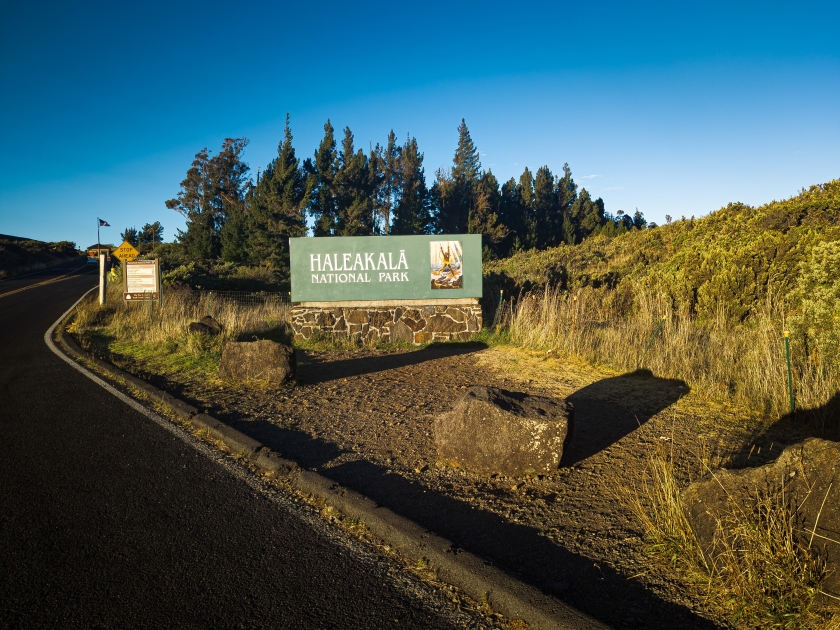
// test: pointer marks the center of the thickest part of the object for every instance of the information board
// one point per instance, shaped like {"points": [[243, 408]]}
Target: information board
{"points": [[373, 268], [141, 280]]}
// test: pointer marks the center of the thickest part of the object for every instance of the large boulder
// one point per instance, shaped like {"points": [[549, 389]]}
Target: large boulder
{"points": [[805, 480], [257, 361], [490, 430]]}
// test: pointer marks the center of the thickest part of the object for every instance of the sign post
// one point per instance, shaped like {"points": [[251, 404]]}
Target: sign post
{"points": [[101, 279], [141, 280]]}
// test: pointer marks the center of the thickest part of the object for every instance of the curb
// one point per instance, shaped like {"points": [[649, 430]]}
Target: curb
{"points": [[476, 577]]}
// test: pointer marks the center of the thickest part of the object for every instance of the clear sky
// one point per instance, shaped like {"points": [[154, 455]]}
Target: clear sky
{"points": [[672, 108]]}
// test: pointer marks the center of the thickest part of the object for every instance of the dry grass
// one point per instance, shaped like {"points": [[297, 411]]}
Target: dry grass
{"points": [[160, 336], [761, 571], [741, 364]]}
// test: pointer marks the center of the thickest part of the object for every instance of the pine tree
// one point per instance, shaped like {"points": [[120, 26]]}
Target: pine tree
{"points": [[547, 217], [510, 215], [385, 163], [528, 218], [412, 211], [354, 192], [130, 235], [150, 234], [483, 217], [456, 191], [593, 217], [321, 182], [277, 205]]}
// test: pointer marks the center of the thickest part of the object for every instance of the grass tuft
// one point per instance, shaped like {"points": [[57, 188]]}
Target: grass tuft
{"points": [[761, 571]]}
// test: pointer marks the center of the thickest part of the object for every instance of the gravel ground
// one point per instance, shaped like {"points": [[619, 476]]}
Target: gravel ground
{"points": [[365, 419]]}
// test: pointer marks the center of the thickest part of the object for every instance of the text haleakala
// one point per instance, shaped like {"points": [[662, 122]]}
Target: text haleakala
{"points": [[356, 267]]}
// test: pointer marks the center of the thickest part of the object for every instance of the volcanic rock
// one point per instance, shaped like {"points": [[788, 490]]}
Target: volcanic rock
{"points": [[490, 430], [804, 479], [207, 326], [257, 361]]}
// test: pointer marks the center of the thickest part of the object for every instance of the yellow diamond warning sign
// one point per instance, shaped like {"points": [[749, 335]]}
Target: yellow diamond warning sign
{"points": [[126, 252]]}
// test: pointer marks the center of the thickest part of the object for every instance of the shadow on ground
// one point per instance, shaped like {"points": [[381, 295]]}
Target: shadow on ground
{"points": [[519, 549], [312, 370], [768, 443], [599, 423]]}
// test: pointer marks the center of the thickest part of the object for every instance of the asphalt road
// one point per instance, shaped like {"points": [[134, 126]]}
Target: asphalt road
{"points": [[108, 520]]}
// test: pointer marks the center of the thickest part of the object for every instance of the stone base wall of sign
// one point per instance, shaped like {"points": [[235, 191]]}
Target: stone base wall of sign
{"points": [[409, 321]]}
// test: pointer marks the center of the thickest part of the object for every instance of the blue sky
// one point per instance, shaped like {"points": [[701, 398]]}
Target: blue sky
{"points": [[669, 109]]}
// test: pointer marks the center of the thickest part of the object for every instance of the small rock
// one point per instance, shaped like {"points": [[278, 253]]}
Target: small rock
{"points": [[207, 326], [258, 361]]}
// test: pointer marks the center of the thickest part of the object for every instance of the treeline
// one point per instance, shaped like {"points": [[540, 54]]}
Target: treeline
{"points": [[19, 255], [144, 239], [343, 191]]}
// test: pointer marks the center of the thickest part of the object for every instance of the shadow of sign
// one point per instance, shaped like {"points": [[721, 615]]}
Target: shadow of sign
{"points": [[313, 371], [602, 410]]}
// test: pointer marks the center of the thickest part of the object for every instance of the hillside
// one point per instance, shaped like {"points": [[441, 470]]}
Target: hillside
{"points": [[19, 255], [728, 260], [722, 289]]}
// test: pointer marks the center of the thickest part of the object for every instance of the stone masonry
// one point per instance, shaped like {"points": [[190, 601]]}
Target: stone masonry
{"points": [[412, 321]]}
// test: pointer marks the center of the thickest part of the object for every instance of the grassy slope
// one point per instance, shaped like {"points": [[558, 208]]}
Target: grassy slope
{"points": [[729, 259], [20, 256]]}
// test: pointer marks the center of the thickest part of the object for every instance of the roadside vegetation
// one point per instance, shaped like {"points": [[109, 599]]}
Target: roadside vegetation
{"points": [[156, 339], [718, 291], [701, 300], [19, 256]]}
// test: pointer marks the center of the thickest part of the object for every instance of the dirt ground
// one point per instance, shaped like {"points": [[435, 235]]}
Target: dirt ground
{"points": [[365, 419]]}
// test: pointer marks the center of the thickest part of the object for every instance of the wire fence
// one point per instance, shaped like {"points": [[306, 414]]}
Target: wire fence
{"points": [[245, 298]]}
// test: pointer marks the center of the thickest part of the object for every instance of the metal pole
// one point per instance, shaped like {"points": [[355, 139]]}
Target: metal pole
{"points": [[786, 334], [101, 279], [498, 317], [650, 343]]}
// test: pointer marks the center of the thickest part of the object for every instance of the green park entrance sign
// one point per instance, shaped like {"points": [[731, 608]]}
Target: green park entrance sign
{"points": [[374, 268]]}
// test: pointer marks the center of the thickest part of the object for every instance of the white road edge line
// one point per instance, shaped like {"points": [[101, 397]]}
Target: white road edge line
{"points": [[363, 553], [179, 432], [48, 339]]}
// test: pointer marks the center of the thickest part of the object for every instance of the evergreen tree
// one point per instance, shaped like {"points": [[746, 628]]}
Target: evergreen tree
{"points": [[510, 215], [276, 205], [151, 234], [639, 220], [354, 192], [234, 236], [528, 218], [547, 217], [322, 172], [483, 214], [593, 217], [194, 203], [566, 191], [412, 213], [130, 235], [455, 192], [385, 164]]}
